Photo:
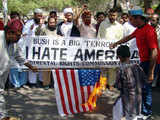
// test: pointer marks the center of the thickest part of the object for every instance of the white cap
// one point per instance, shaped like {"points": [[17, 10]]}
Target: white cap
{"points": [[37, 10], [68, 10]]}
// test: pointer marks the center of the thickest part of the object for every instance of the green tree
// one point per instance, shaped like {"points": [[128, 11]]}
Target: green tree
{"points": [[24, 6]]}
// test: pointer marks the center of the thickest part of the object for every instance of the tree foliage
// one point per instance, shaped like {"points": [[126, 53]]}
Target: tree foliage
{"points": [[24, 6]]}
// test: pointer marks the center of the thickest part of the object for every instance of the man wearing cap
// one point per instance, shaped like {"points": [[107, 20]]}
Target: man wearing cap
{"points": [[146, 39], [67, 28], [31, 25], [30, 30]]}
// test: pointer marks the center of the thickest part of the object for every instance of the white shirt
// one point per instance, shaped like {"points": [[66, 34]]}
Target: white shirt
{"points": [[66, 29], [110, 31], [30, 27], [128, 29], [16, 55], [4, 57]]}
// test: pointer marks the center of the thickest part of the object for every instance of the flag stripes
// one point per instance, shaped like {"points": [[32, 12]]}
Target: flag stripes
{"points": [[69, 94]]}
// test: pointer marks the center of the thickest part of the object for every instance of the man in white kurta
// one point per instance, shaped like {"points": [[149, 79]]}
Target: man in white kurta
{"points": [[110, 29], [30, 30]]}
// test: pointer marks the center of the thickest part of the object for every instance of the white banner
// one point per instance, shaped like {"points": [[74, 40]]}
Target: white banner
{"points": [[52, 52]]}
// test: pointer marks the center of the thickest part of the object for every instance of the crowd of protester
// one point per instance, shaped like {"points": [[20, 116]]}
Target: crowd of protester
{"points": [[110, 26]]}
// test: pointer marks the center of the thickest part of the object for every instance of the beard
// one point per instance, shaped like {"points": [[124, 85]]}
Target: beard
{"points": [[37, 21], [51, 28]]}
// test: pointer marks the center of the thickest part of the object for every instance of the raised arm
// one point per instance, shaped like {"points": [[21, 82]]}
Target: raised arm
{"points": [[78, 14]]}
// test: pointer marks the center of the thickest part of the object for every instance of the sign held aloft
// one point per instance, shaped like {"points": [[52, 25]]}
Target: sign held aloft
{"points": [[72, 52]]}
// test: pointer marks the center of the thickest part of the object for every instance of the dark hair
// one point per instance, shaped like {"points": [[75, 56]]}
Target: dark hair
{"points": [[14, 14], [125, 14], [123, 51], [53, 12], [113, 10], [50, 18], [100, 13]]}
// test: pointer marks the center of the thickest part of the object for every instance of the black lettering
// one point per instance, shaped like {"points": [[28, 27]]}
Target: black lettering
{"points": [[99, 54], [135, 54], [26, 52], [88, 56], [36, 52], [46, 53], [109, 54], [63, 54], [74, 43], [55, 51], [41, 41], [79, 55], [55, 42]]}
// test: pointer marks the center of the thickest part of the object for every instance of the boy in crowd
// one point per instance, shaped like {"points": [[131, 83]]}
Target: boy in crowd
{"points": [[129, 80]]}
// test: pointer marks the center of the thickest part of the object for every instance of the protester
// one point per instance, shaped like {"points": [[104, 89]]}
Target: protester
{"points": [[53, 14], [130, 79], [30, 30], [125, 17], [110, 29], [100, 17], [146, 40], [13, 32], [17, 77], [128, 29], [14, 15], [67, 27], [149, 13], [87, 28], [121, 21], [156, 25], [49, 30]]}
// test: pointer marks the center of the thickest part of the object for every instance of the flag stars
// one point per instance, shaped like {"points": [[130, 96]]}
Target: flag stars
{"points": [[88, 77]]}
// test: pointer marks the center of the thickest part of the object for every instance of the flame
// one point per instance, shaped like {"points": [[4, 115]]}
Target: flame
{"points": [[97, 91]]}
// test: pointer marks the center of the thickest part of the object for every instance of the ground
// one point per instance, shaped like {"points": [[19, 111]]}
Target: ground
{"points": [[40, 104]]}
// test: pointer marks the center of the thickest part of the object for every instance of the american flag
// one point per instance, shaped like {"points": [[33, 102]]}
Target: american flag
{"points": [[72, 89]]}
